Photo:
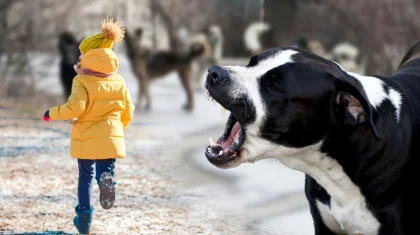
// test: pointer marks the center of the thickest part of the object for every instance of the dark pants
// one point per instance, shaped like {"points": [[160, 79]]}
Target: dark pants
{"points": [[84, 189]]}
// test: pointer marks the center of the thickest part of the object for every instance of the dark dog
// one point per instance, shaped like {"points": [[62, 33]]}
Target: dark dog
{"points": [[355, 137], [68, 47], [148, 65]]}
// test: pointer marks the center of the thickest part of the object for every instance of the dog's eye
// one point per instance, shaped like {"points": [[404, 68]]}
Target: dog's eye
{"points": [[274, 88]]}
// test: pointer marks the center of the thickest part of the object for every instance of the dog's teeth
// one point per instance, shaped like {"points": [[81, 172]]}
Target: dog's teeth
{"points": [[223, 110], [214, 102], [208, 96], [211, 142], [221, 152]]}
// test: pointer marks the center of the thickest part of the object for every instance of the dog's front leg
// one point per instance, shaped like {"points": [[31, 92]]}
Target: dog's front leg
{"points": [[197, 71], [185, 77], [144, 100], [320, 227], [312, 190]]}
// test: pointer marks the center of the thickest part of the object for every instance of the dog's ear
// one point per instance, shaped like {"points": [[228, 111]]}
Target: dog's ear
{"points": [[413, 53], [349, 109], [352, 107]]}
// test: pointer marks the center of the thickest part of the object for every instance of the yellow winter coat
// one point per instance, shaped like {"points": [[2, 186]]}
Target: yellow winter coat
{"points": [[103, 107]]}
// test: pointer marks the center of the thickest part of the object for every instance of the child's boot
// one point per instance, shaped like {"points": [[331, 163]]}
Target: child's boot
{"points": [[83, 220], [107, 190]]}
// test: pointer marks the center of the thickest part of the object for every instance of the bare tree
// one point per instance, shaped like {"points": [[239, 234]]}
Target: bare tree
{"points": [[376, 27], [383, 30], [27, 26]]}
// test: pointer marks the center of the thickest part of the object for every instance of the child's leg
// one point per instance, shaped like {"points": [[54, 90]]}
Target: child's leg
{"points": [[84, 208], [84, 190], [106, 165], [105, 179]]}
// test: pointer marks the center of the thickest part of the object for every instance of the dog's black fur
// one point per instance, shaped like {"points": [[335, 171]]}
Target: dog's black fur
{"points": [[68, 47], [309, 100]]}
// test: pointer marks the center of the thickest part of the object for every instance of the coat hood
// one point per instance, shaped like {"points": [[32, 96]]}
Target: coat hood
{"points": [[102, 60]]}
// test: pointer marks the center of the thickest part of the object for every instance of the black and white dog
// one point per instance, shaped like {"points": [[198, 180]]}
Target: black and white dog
{"points": [[357, 138]]}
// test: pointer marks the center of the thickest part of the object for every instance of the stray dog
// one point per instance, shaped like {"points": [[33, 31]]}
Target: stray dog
{"points": [[258, 37], [148, 65], [318, 48], [355, 137], [213, 38], [68, 47], [347, 56]]}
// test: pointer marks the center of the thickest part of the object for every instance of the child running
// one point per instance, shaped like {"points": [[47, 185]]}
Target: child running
{"points": [[101, 108]]}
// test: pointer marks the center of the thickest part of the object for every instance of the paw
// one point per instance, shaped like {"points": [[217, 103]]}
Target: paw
{"points": [[188, 107], [143, 105]]}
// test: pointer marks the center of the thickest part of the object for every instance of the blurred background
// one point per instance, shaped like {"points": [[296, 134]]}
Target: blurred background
{"points": [[166, 184]]}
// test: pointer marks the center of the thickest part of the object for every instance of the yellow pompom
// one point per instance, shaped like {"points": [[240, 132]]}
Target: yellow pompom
{"points": [[112, 30]]}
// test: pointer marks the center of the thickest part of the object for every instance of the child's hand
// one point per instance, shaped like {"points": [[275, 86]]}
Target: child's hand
{"points": [[47, 116]]}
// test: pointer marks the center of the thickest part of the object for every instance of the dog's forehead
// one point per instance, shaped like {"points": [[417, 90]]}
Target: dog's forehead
{"points": [[272, 58], [264, 62], [319, 63], [269, 53], [275, 56]]}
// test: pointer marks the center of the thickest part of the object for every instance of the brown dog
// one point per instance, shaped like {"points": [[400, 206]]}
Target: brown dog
{"points": [[148, 65], [212, 37]]}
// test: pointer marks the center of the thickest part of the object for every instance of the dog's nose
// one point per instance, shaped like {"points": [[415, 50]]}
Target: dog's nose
{"points": [[217, 74]]}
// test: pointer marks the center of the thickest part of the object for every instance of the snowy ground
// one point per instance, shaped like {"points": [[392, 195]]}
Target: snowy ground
{"points": [[166, 184], [38, 185]]}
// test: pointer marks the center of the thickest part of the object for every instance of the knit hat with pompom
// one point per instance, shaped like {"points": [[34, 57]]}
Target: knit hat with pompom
{"points": [[111, 32]]}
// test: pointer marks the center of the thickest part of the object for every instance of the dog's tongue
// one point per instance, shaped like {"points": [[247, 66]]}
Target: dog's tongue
{"points": [[233, 136]]}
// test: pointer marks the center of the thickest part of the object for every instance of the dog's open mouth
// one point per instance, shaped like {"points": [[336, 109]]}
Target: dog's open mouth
{"points": [[229, 146]]}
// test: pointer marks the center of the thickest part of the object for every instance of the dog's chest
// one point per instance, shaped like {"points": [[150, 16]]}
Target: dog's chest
{"points": [[347, 212], [349, 218]]}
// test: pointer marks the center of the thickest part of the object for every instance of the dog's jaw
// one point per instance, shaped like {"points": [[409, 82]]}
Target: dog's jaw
{"points": [[245, 86]]}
